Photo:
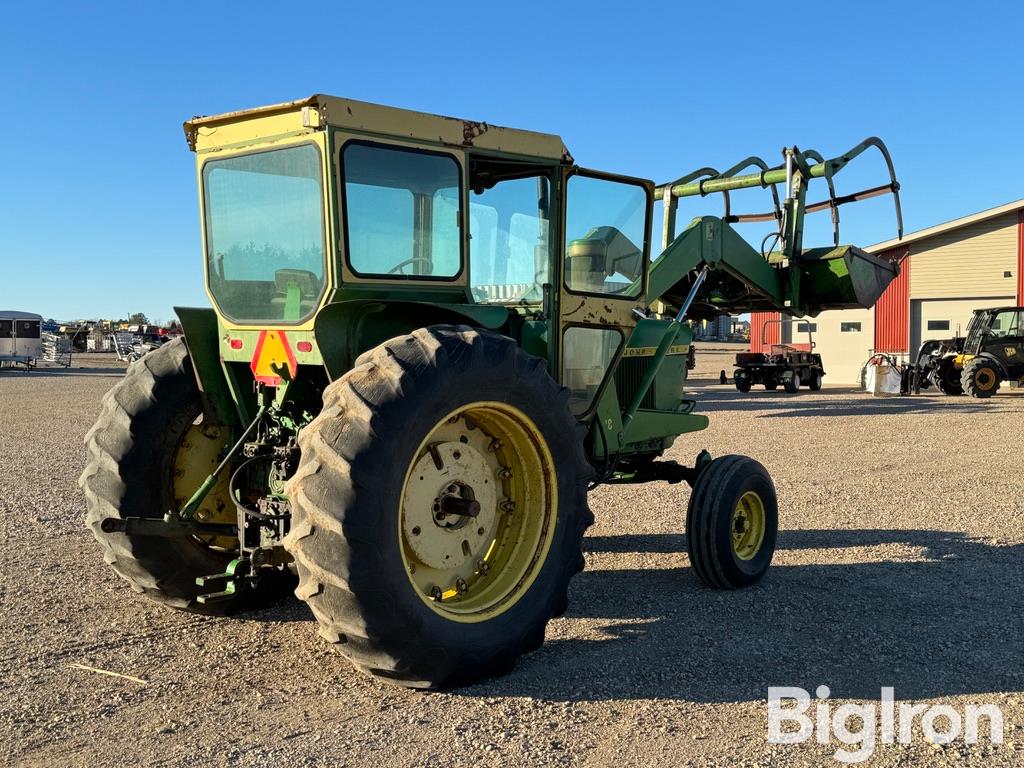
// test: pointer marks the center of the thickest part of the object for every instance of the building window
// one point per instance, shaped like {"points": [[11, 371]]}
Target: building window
{"points": [[938, 325], [849, 327], [806, 327]]}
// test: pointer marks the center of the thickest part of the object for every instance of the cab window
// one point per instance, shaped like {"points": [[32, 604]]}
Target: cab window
{"points": [[265, 233], [605, 236], [509, 240], [586, 354], [402, 214], [1006, 324]]}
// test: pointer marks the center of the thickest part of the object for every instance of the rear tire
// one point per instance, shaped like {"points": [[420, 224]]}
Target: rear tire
{"points": [[771, 385], [732, 522], [132, 449], [792, 384], [981, 378], [360, 562], [815, 383], [743, 385]]}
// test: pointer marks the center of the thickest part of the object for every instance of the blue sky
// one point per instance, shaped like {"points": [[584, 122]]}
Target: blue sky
{"points": [[98, 206]]}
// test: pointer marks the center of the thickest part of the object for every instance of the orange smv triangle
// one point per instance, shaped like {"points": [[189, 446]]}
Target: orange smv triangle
{"points": [[273, 354]]}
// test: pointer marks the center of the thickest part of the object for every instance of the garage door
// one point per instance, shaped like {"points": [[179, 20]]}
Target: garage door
{"points": [[843, 338], [942, 318], [844, 341]]}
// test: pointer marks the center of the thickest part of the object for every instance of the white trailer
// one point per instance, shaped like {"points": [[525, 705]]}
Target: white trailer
{"points": [[20, 338]]}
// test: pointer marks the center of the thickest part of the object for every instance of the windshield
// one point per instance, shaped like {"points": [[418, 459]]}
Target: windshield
{"points": [[265, 234], [976, 328], [1006, 324]]}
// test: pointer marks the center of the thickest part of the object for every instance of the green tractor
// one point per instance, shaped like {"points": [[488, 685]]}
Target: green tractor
{"points": [[429, 339]]}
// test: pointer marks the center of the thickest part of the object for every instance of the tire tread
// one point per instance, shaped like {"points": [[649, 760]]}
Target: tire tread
{"points": [[324, 543]]}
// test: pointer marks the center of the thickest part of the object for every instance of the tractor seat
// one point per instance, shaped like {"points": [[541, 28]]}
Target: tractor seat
{"points": [[295, 293]]}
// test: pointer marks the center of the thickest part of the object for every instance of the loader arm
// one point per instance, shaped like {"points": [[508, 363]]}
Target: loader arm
{"points": [[791, 279], [710, 242]]}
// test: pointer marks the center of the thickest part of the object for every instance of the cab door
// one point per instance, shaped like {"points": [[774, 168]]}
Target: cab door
{"points": [[26, 337], [6, 336], [605, 254], [1005, 340]]}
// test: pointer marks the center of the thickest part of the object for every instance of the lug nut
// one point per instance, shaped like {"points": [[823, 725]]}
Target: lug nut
{"points": [[461, 587], [482, 566], [508, 506], [494, 445], [435, 594], [505, 473]]}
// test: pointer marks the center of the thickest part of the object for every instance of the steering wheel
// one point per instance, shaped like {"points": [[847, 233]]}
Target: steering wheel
{"points": [[399, 268]]}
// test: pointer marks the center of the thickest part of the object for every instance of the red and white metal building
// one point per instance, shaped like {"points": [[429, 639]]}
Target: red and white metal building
{"points": [[946, 272]]}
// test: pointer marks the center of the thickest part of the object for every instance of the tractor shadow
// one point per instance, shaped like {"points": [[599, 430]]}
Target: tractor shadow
{"points": [[853, 402], [112, 371], [944, 620]]}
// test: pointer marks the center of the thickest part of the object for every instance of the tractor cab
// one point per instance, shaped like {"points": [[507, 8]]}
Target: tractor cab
{"points": [[332, 225], [1003, 326]]}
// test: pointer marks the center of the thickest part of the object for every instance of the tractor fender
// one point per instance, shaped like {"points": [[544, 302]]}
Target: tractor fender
{"points": [[199, 325], [996, 362], [346, 329]]}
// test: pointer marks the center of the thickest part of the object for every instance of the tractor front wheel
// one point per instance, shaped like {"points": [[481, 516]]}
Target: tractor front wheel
{"points": [[981, 378], [742, 384], [947, 378], [439, 507], [815, 383], [732, 522], [792, 384]]}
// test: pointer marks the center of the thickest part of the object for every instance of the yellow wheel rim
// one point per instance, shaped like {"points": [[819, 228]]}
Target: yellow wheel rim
{"points": [[985, 378], [478, 511], [200, 450], [748, 524]]}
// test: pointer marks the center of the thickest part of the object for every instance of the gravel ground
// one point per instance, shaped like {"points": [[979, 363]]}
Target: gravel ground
{"points": [[880, 580]]}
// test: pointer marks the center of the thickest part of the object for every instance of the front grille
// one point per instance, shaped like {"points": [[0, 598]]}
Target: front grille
{"points": [[627, 379]]}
